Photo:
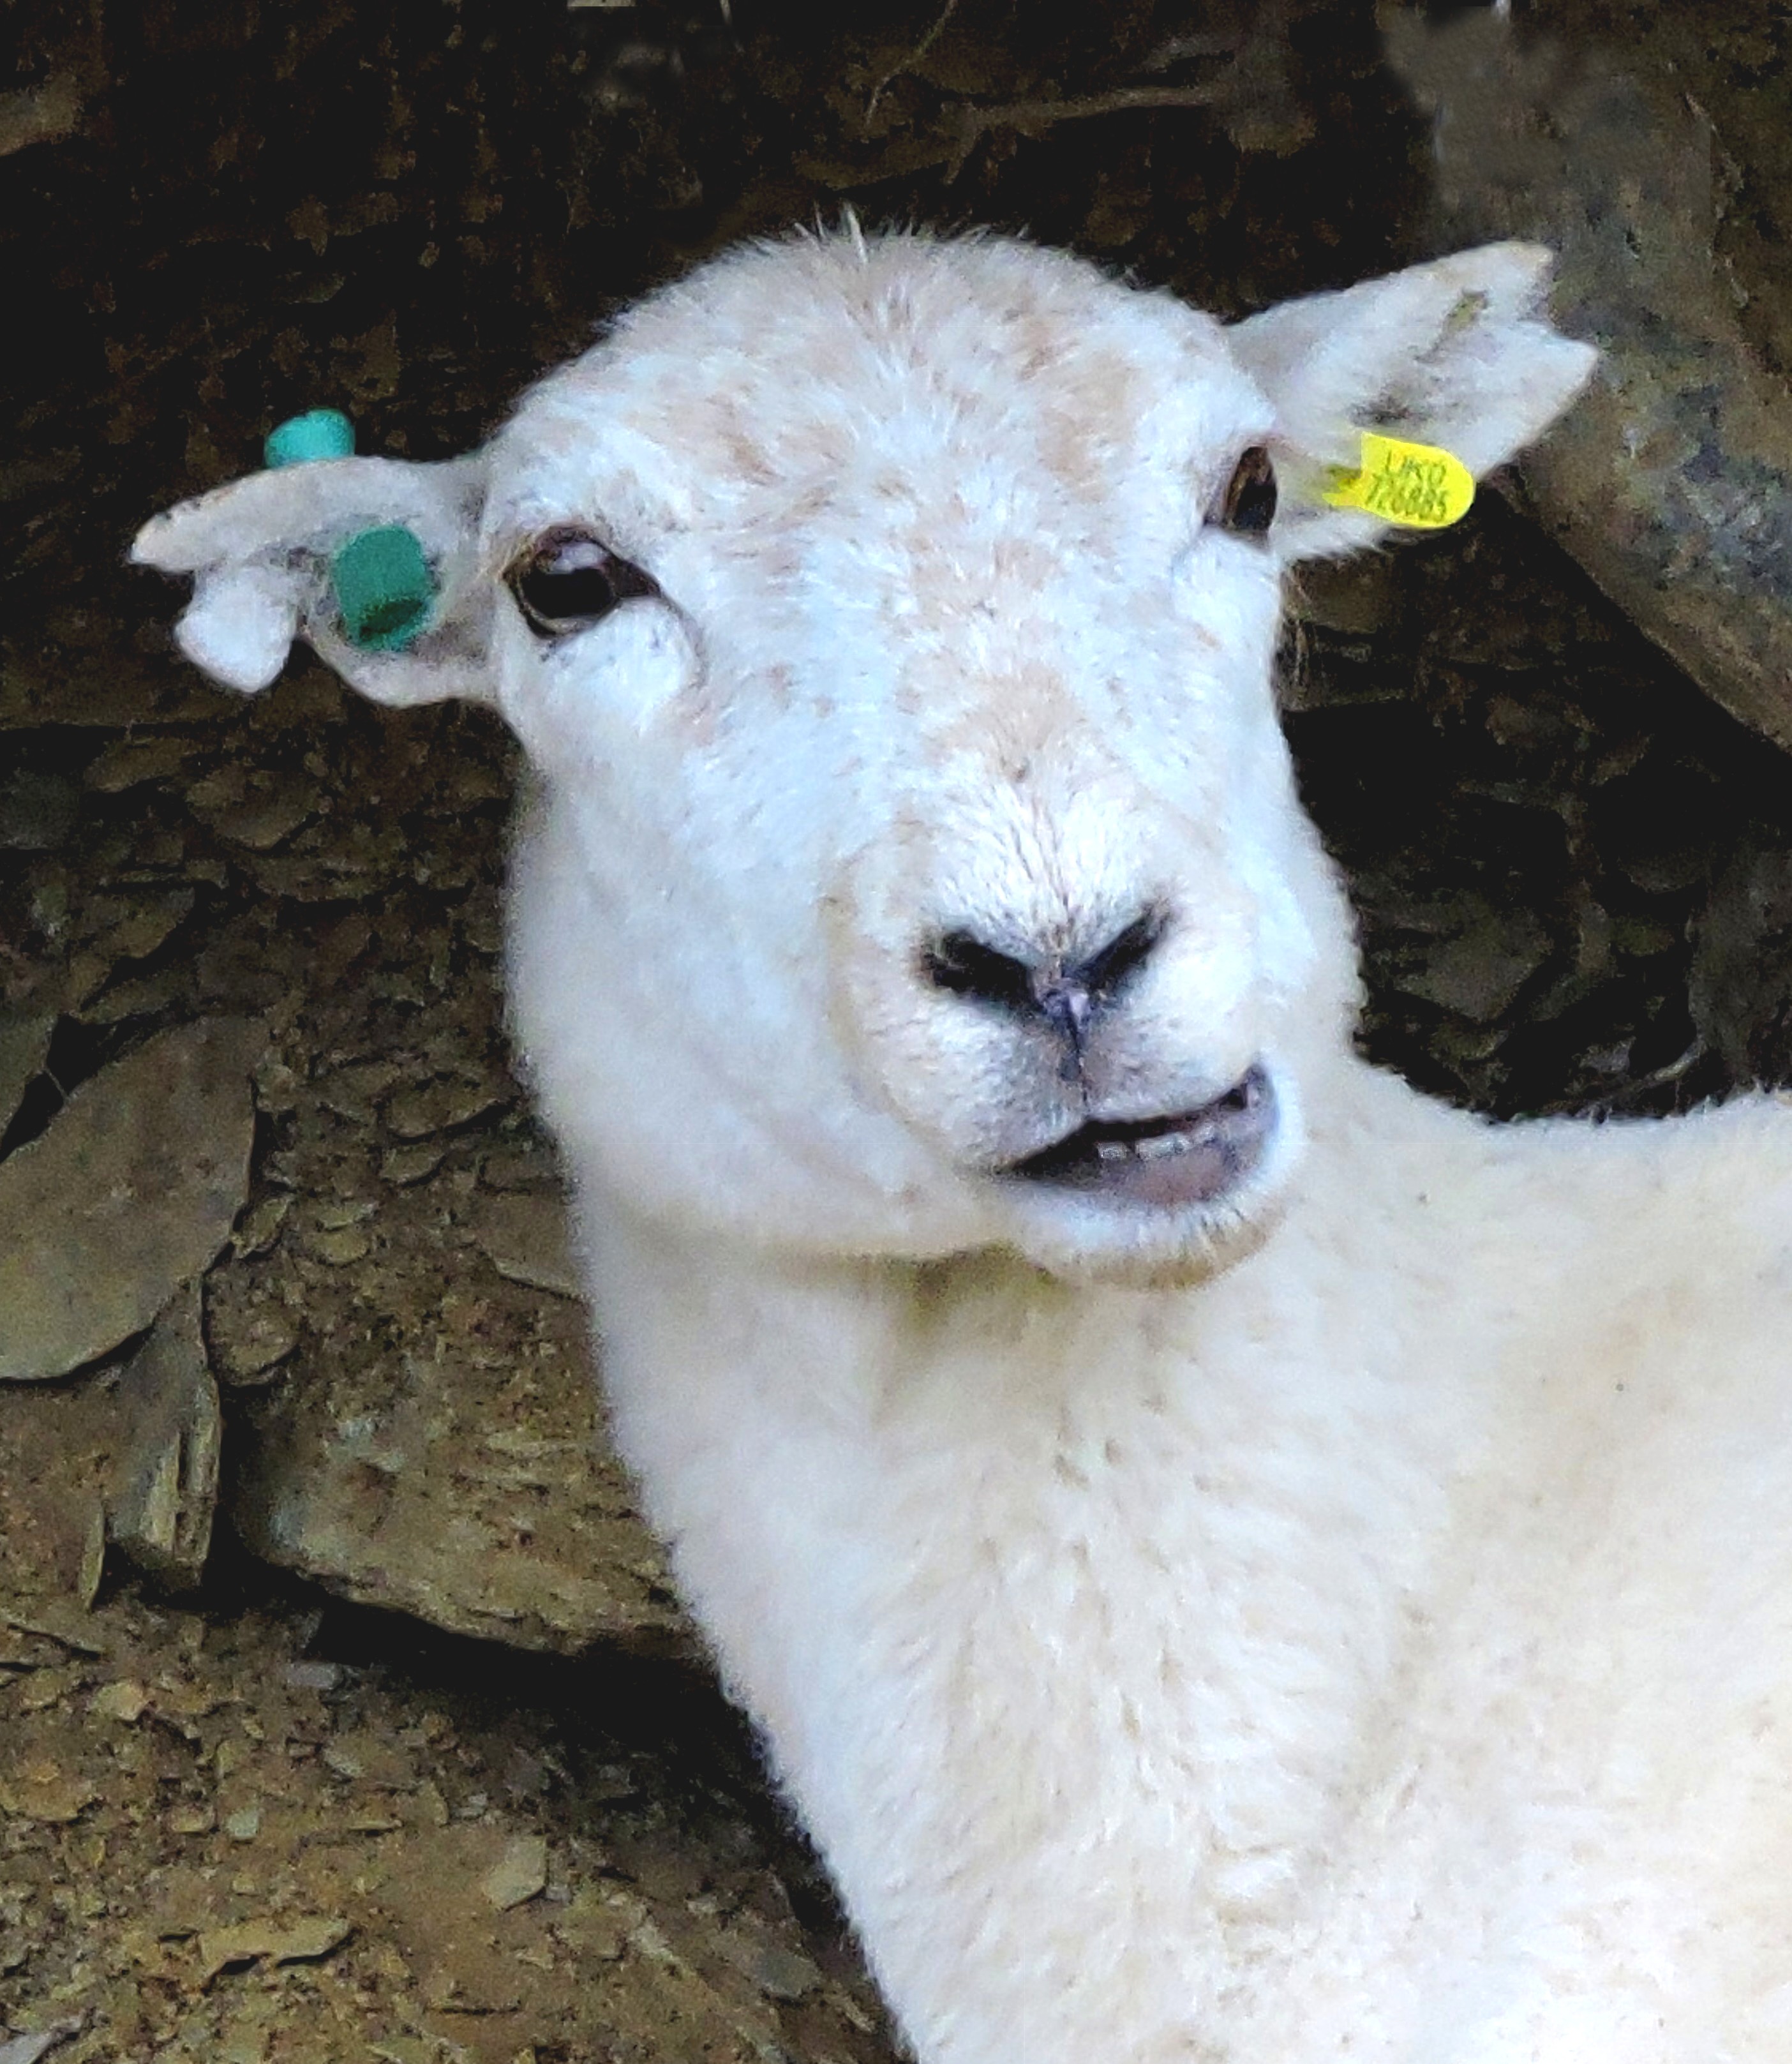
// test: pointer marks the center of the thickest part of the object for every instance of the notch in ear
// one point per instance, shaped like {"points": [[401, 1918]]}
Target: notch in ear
{"points": [[261, 551], [1459, 353]]}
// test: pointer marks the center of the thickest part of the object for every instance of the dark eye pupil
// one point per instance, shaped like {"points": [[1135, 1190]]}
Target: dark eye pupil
{"points": [[570, 580], [558, 591], [1248, 506]]}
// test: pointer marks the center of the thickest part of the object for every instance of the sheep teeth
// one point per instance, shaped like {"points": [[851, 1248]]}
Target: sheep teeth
{"points": [[1154, 1146], [1219, 1143], [1160, 1146]]}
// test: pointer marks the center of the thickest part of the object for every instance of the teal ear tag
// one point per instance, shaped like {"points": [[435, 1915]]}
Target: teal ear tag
{"points": [[321, 433], [383, 589]]}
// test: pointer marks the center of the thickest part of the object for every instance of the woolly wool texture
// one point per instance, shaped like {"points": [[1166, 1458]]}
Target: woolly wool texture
{"points": [[1338, 1611]]}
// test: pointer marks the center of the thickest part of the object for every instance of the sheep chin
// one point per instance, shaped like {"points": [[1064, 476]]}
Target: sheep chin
{"points": [[1178, 1250]]}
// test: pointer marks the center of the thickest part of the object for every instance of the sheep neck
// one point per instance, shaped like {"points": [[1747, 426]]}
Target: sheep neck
{"points": [[901, 1496]]}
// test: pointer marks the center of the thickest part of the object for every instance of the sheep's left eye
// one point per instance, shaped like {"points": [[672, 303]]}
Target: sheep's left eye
{"points": [[1247, 508], [568, 580]]}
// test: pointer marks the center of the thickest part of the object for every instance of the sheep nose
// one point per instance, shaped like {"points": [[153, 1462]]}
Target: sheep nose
{"points": [[1063, 991]]}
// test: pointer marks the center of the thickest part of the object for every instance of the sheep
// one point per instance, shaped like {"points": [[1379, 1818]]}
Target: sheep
{"points": [[1231, 1559]]}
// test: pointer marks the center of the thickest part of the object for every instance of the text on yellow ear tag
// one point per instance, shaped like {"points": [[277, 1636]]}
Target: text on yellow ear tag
{"points": [[1422, 486]]}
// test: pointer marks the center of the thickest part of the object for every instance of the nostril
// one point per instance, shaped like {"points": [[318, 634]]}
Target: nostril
{"points": [[961, 963], [1103, 972], [1063, 991]]}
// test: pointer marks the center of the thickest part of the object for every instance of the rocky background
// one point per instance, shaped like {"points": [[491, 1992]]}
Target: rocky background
{"points": [[296, 1427]]}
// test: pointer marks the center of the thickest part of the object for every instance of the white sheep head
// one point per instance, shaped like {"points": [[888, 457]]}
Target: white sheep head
{"points": [[891, 623]]}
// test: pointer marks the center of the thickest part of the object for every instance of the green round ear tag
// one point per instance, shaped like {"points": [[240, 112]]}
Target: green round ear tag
{"points": [[383, 589], [321, 433]]}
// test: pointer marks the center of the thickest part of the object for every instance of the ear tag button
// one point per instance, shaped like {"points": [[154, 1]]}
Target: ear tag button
{"points": [[384, 588], [1420, 487], [385, 591], [320, 433]]}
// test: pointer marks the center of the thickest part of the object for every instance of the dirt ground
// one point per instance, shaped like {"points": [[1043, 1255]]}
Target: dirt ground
{"points": [[272, 1829], [249, 1808]]}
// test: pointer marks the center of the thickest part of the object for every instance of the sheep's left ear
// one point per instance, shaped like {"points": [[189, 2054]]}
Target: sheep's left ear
{"points": [[1460, 354], [261, 551]]}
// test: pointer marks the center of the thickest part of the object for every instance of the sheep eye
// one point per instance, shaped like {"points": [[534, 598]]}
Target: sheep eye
{"points": [[1247, 508], [568, 580]]}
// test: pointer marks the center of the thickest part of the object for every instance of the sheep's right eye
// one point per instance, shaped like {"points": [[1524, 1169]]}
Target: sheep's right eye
{"points": [[568, 580], [1247, 508]]}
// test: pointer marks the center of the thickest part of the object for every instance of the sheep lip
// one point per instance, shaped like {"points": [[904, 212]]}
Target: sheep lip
{"points": [[1190, 1157]]}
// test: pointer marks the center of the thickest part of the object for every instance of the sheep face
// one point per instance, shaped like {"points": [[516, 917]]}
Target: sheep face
{"points": [[946, 730], [917, 865]]}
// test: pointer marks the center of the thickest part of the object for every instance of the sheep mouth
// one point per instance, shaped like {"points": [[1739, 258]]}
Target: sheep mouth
{"points": [[1190, 1157]]}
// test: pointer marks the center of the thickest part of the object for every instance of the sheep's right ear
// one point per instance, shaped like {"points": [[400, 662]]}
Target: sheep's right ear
{"points": [[260, 550], [1459, 353]]}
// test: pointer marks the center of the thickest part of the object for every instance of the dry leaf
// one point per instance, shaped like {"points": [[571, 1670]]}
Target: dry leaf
{"points": [[272, 1942], [124, 1699], [165, 1468], [518, 1875], [43, 1790], [28, 2049]]}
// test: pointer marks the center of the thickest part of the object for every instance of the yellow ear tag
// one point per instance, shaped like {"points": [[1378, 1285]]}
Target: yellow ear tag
{"points": [[1420, 487]]}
